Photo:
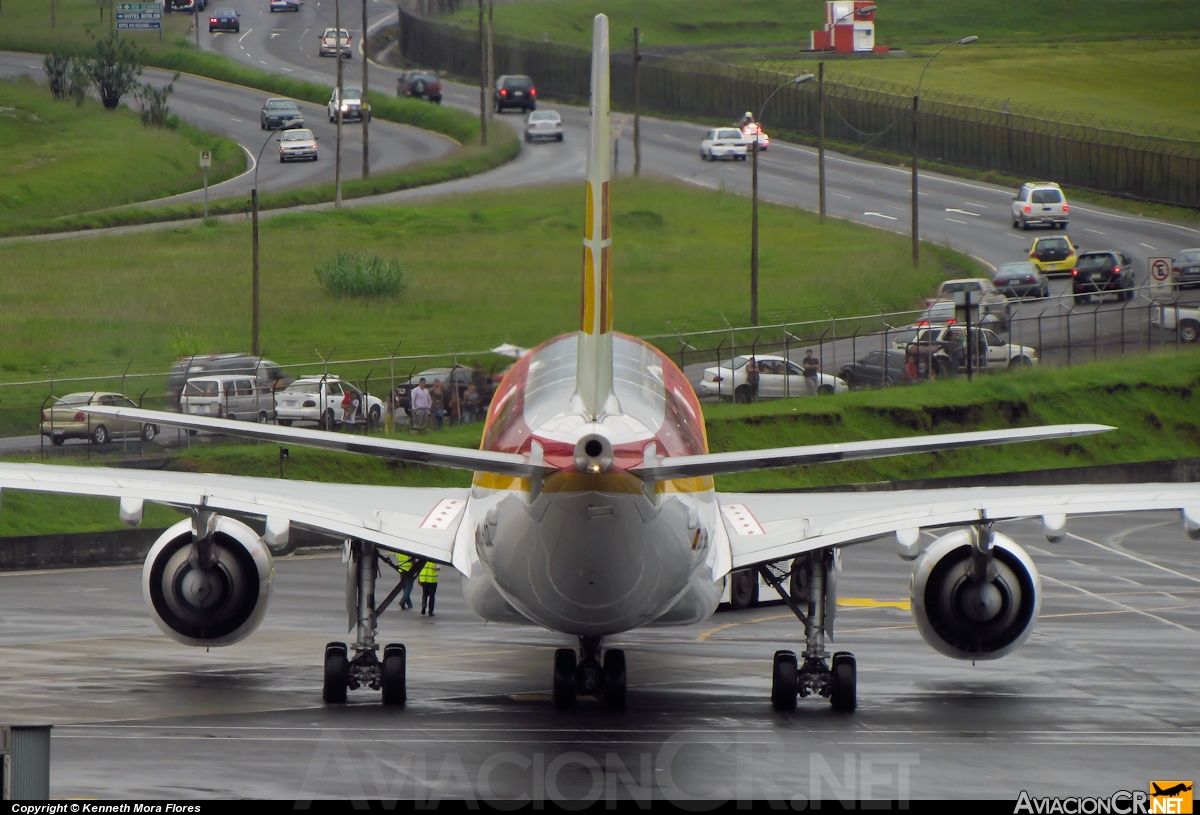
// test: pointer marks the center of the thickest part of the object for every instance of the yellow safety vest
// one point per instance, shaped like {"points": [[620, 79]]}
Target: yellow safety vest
{"points": [[429, 573]]}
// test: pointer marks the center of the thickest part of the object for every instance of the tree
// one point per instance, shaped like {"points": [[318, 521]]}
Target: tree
{"points": [[112, 68]]}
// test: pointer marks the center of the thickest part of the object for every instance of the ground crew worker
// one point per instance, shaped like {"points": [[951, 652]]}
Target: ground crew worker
{"points": [[428, 580], [404, 562]]}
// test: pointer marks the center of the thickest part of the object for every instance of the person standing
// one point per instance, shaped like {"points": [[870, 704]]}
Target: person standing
{"points": [[428, 580], [438, 394], [752, 378], [405, 562], [422, 402], [812, 370]]}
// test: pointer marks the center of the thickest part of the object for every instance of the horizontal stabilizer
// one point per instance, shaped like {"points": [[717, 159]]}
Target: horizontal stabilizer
{"points": [[748, 460], [438, 455]]}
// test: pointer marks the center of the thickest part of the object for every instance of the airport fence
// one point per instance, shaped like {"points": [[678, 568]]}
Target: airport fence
{"points": [[1028, 142]]}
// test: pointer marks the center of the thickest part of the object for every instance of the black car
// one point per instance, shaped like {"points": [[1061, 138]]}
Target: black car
{"points": [[224, 19], [1185, 271], [514, 92], [185, 5], [420, 85], [874, 368], [1021, 280], [1097, 273], [268, 373], [278, 113]]}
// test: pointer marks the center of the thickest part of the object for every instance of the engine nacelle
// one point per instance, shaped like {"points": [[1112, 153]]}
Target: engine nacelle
{"points": [[968, 620], [220, 605]]}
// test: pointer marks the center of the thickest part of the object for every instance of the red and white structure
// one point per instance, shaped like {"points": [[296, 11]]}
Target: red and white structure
{"points": [[849, 28]]}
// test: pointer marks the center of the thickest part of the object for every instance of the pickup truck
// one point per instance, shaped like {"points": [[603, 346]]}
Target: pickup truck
{"points": [[997, 353], [1183, 319]]}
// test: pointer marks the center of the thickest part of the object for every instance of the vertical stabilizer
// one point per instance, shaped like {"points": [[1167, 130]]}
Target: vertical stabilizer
{"points": [[594, 377]]}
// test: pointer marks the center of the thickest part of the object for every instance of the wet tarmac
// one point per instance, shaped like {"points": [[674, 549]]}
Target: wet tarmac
{"points": [[1104, 696]]}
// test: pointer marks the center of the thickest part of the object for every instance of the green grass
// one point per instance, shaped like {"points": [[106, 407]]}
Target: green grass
{"points": [[1154, 401], [25, 26], [58, 159], [1110, 58], [471, 263]]}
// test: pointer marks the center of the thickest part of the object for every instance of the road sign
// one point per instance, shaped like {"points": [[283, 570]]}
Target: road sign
{"points": [[138, 7], [139, 16], [1160, 269], [205, 158]]}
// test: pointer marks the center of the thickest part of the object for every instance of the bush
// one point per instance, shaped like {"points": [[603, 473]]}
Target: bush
{"points": [[153, 102], [67, 77], [113, 67], [350, 275]]}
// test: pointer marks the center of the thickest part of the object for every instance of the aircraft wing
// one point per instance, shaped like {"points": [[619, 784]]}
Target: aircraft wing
{"points": [[438, 455], [747, 460], [417, 521], [765, 527]]}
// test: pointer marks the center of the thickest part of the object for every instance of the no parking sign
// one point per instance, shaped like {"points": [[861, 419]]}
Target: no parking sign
{"points": [[1160, 275]]}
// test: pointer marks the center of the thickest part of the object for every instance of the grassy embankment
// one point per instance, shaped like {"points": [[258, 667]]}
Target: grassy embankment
{"points": [[58, 159], [471, 263], [1154, 402], [78, 21]]}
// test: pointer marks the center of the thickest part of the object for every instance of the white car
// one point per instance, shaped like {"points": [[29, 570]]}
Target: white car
{"points": [[1000, 354], [778, 378], [543, 124], [329, 43], [353, 106], [753, 131], [318, 400], [724, 142], [1040, 202], [991, 300], [297, 144], [945, 312]]}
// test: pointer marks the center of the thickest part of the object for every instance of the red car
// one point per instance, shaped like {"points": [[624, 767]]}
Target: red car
{"points": [[420, 85]]}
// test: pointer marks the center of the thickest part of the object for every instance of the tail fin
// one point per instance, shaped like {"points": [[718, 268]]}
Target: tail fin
{"points": [[594, 372]]}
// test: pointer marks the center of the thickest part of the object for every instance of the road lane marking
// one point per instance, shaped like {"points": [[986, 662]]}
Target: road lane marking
{"points": [[893, 206], [1119, 604], [236, 119], [263, 61], [1143, 561], [248, 30], [1148, 246], [839, 195], [881, 215], [962, 212], [1093, 231], [955, 220], [973, 204]]}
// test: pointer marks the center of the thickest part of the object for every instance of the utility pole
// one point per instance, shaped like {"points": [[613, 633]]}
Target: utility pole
{"points": [[916, 238], [637, 104], [337, 161], [254, 276], [483, 104], [195, 20], [491, 52], [821, 136], [754, 233], [365, 115]]}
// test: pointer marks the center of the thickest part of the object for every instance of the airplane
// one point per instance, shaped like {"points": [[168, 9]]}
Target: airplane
{"points": [[1170, 792], [592, 512]]}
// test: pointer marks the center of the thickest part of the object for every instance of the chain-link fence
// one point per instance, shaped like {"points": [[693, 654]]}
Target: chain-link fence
{"points": [[1019, 140]]}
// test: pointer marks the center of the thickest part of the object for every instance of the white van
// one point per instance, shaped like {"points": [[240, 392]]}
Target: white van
{"points": [[1040, 202], [228, 396]]}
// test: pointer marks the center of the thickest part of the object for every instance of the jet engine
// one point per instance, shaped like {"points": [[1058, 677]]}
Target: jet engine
{"points": [[207, 581], [972, 602]]}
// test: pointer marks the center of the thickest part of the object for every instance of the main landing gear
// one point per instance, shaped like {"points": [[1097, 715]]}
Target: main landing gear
{"points": [[588, 675], [343, 672], [813, 582]]}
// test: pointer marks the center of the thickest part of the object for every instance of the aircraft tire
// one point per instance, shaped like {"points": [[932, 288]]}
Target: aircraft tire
{"points": [[333, 689], [563, 692], [784, 684], [614, 679], [844, 693], [395, 658]]}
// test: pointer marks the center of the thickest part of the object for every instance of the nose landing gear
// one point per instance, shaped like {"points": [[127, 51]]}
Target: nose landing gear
{"points": [[589, 675], [790, 678]]}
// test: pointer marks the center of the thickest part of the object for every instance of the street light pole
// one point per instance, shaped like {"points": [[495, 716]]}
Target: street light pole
{"points": [[637, 105], [916, 233], [754, 197], [254, 253], [364, 115], [483, 107]]}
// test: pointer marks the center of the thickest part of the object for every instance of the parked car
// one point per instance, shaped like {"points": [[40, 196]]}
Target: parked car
{"points": [[64, 420], [1055, 255], [267, 373], [778, 377], [224, 19], [1185, 271], [1182, 319], [998, 353], [752, 132], [991, 302], [353, 104], [318, 400], [876, 368], [285, 5], [330, 42], [277, 112], [420, 85], [1040, 202], [297, 144], [188, 6], [236, 397], [1098, 273], [543, 124], [461, 376], [514, 92], [1022, 279], [945, 312], [724, 143]]}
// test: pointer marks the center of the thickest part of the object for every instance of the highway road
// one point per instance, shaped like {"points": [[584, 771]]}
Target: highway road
{"points": [[232, 111], [1104, 696]]}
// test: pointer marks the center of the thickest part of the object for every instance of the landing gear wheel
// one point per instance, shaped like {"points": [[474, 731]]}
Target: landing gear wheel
{"points": [[784, 685], [563, 692], [333, 689], [395, 659], [614, 679], [843, 693], [743, 588]]}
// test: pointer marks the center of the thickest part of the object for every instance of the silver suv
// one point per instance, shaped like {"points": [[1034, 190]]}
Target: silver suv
{"points": [[1040, 202]]}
